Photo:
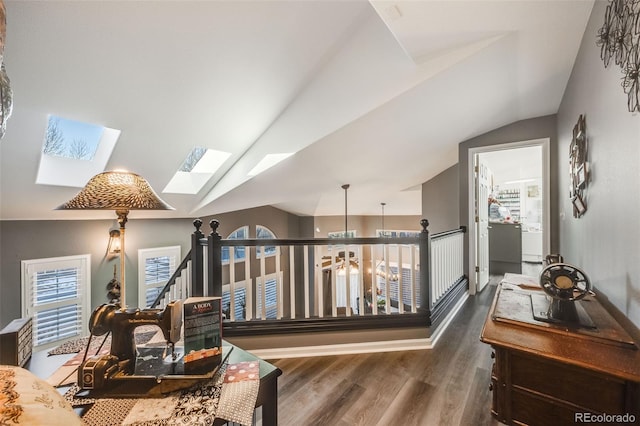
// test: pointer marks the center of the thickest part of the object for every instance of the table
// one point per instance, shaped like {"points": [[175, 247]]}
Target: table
{"points": [[549, 374], [43, 366]]}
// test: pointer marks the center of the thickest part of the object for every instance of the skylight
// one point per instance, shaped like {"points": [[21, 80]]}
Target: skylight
{"points": [[74, 151], [267, 162], [71, 139], [196, 170]]}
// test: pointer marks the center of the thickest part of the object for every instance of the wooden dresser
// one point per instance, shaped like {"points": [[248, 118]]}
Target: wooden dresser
{"points": [[546, 374]]}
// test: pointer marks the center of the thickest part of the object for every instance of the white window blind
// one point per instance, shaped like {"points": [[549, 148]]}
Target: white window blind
{"points": [[155, 266], [271, 296], [56, 294], [239, 301]]}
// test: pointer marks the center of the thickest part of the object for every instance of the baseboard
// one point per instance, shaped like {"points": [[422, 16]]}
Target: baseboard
{"points": [[363, 347]]}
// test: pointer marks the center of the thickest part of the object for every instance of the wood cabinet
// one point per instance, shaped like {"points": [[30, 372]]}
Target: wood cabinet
{"points": [[547, 374]]}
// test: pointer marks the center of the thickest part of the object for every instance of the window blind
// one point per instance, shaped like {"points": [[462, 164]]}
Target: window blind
{"points": [[55, 294]]}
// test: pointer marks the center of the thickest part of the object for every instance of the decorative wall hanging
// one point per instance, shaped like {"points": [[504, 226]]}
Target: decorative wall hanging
{"points": [[578, 168], [6, 94], [619, 39]]}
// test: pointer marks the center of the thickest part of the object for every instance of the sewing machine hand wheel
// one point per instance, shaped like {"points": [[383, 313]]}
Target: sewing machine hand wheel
{"points": [[564, 282], [99, 320]]}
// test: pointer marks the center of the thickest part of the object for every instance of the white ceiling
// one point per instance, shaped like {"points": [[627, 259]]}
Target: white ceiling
{"points": [[516, 164], [375, 94]]}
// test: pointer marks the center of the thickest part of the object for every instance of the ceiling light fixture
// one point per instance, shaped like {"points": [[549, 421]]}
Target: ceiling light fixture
{"points": [[120, 191]]}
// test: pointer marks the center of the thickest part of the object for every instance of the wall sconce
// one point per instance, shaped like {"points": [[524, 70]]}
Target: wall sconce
{"points": [[114, 243]]}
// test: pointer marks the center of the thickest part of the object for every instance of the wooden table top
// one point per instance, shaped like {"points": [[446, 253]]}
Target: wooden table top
{"points": [[604, 349]]}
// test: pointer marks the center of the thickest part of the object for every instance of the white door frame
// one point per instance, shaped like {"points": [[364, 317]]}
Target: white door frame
{"points": [[546, 199]]}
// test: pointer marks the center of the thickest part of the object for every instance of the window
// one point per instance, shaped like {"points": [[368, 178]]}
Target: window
{"points": [[342, 234], [406, 284], [241, 233], [271, 296], [396, 234], [239, 302], [262, 232], [73, 152], [56, 294], [155, 267]]}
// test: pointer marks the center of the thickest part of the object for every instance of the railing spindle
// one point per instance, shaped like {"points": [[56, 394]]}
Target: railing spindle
{"points": [[279, 300], [400, 281], [248, 285], [319, 294], [232, 284], [263, 287], [306, 280], [292, 283], [387, 281]]}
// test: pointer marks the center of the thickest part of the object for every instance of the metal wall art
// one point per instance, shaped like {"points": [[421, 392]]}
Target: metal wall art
{"points": [[6, 94], [619, 40], [578, 168]]}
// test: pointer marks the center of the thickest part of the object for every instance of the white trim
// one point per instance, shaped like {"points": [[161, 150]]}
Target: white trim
{"points": [[545, 144], [364, 347], [30, 267], [148, 253]]}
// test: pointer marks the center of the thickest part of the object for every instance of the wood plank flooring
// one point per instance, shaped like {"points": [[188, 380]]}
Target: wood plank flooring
{"points": [[448, 385]]}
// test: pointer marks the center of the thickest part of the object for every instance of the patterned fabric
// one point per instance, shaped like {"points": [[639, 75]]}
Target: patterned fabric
{"points": [[194, 406], [10, 410], [28, 400], [79, 345], [108, 412], [239, 393]]}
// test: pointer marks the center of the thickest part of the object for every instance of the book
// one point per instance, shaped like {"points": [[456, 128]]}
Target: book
{"points": [[202, 319]]}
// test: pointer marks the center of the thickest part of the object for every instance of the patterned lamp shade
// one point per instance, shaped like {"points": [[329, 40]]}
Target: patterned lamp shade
{"points": [[116, 191]]}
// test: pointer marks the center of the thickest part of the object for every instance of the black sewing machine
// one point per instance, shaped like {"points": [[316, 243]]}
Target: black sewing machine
{"points": [[131, 371]]}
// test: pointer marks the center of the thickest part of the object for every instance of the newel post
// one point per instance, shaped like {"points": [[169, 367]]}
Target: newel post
{"points": [[424, 242], [214, 282], [197, 265]]}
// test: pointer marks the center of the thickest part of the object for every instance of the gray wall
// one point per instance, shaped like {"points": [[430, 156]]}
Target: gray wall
{"points": [[24, 240], [524, 130], [440, 201], [605, 242]]}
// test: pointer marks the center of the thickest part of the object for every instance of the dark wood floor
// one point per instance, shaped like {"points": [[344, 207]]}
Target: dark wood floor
{"points": [[448, 385]]}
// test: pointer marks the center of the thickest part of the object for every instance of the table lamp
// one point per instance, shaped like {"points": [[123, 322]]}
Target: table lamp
{"points": [[120, 191]]}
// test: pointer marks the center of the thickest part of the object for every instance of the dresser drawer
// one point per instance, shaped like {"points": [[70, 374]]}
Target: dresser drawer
{"points": [[533, 410], [584, 388]]}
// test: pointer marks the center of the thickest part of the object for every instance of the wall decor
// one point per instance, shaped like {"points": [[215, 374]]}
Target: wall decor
{"points": [[578, 167], [619, 39], [6, 94]]}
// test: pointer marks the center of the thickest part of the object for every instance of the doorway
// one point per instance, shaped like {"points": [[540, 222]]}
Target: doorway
{"points": [[517, 176]]}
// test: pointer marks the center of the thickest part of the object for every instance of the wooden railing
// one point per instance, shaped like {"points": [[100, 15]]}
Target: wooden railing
{"points": [[285, 285]]}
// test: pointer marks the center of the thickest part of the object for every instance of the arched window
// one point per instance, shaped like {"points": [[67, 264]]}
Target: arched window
{"points": [[239, 252], [262, 232]]}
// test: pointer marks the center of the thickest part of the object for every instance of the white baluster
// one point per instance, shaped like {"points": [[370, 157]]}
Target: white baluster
{"points": [[292, 282], [279, 301]]}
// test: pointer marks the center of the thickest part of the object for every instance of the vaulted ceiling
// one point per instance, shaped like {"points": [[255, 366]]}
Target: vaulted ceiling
{"points": [[375, 94]]}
